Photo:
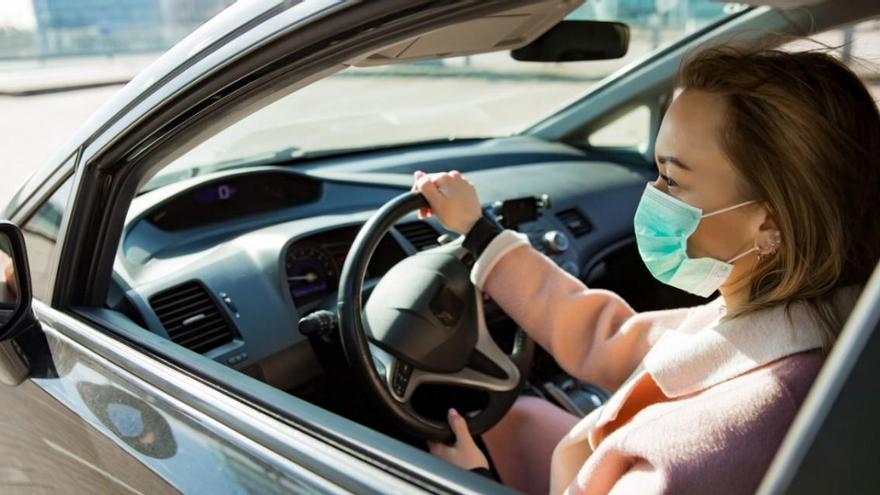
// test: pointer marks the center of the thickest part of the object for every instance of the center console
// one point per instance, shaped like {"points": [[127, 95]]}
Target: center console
{"points": [[526, 215]]}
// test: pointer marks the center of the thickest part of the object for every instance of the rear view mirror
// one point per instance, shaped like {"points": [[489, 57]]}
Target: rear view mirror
{"points": [[570, 41]]}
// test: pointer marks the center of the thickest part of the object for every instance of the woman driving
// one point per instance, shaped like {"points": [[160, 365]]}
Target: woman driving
{"points": [[767, 192]]}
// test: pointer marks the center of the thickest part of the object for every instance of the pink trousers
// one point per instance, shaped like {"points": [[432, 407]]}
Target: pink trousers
{"points": [[522, 443]]}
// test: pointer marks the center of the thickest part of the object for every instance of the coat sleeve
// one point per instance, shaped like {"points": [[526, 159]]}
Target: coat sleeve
{"points": [[593, 334], [640, 479], [619, 474]]}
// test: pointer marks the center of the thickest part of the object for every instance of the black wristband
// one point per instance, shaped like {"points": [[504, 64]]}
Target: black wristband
{"points": [[481, 234], [484, 472]]}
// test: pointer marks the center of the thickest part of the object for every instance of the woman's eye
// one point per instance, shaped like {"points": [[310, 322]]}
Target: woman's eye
{"points": [[669, 181]]}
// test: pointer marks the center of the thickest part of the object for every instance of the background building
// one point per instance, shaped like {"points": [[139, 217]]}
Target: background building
{"points": [[106, 27]]}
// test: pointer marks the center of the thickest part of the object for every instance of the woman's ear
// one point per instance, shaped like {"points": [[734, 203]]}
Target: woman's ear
{"points": [[769, 237]]}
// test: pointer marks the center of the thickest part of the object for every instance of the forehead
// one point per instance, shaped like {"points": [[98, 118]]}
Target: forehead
{"points": [[691, 130]]}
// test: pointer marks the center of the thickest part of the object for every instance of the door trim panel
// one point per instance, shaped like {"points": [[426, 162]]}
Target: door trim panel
{"points": [[199, 415]]}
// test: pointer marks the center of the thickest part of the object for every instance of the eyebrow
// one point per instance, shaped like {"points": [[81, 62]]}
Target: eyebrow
{"points": [[675, 161]]}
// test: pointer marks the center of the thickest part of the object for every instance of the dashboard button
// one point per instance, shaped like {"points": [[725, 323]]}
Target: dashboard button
{"points": [[555, 241]]}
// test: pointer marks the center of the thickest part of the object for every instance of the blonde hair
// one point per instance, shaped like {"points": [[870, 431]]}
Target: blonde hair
{"points": [[803, 133]]}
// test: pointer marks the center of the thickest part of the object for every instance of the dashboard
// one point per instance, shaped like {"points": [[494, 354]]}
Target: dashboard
{"points": [[227, 263]]}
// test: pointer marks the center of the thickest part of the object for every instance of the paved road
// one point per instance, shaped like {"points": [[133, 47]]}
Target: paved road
{"points": [[34, 127]]}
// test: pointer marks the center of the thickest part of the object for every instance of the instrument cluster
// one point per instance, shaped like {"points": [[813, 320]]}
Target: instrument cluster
{"points": [[313, 264]]}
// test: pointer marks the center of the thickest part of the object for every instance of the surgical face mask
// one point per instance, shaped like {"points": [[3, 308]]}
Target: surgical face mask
{"points": [[662, 225]]}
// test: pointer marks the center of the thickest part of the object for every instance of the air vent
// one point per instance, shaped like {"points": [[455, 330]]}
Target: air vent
{"points": [[574, 221], [191, 317], [419, 234]]}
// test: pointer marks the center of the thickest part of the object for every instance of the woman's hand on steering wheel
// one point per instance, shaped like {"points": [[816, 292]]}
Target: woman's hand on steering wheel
{"points": [[452, 198], [464, 453]]}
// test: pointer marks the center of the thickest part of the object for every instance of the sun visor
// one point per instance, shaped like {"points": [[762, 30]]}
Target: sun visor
{"points": [[505, 30]]}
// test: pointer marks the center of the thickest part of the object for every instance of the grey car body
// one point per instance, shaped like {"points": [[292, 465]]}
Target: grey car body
{"points": [[107, 407]]}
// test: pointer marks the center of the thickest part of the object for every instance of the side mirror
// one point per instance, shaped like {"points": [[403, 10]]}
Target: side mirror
{"points": [[16, 314], [571, 41], [15, 283]]}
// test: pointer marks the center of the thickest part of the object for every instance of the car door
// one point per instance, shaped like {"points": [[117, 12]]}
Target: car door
{"points": [[48, 443], [99, 412]]}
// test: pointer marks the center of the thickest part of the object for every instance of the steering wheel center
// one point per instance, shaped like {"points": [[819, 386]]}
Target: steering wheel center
{"points": [[423, 311]]}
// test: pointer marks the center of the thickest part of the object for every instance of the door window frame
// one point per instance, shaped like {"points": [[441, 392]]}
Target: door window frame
{"points": [[66, 171]]}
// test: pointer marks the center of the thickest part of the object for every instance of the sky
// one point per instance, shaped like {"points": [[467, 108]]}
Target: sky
{"points": [[17, 14]]}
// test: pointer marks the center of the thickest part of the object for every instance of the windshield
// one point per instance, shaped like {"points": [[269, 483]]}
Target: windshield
{"points": [[479, 96]]}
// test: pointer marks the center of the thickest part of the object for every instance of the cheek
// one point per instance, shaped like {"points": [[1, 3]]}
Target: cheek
{"points": [[713, 239]]}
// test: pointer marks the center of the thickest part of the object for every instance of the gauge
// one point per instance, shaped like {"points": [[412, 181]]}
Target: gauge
{"points": [[311, 273]]}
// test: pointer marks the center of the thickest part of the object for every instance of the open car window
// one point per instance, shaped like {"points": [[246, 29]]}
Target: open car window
{"points": [[857, 45], [479, 96]]}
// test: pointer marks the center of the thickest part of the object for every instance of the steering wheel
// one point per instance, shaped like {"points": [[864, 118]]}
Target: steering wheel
{"points": [[423, 323]]}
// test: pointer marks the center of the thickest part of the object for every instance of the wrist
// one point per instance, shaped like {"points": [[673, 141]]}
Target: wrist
{"points": [[469, 225], [482, 231]]}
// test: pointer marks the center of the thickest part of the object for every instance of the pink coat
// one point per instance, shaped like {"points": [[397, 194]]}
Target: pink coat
{"points": [[700, 405]]}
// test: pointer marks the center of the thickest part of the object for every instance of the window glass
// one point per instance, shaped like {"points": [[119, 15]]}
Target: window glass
{"points": [[857, 45], [631, 130], [41, 236]]}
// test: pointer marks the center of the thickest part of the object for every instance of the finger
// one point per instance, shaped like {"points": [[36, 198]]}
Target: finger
{"points": [[432, 447], [455, 173], [429, 191], [439, 449], [443, 179], [421, 181], [458, 424], [418, 174]]}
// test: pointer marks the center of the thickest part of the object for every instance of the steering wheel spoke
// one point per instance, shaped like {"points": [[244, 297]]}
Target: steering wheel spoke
{"points": [[454, 247]]}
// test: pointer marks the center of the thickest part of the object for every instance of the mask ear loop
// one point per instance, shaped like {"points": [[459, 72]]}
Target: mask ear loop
{"points": [[756, 248], [771, 250], [729, 208]]}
